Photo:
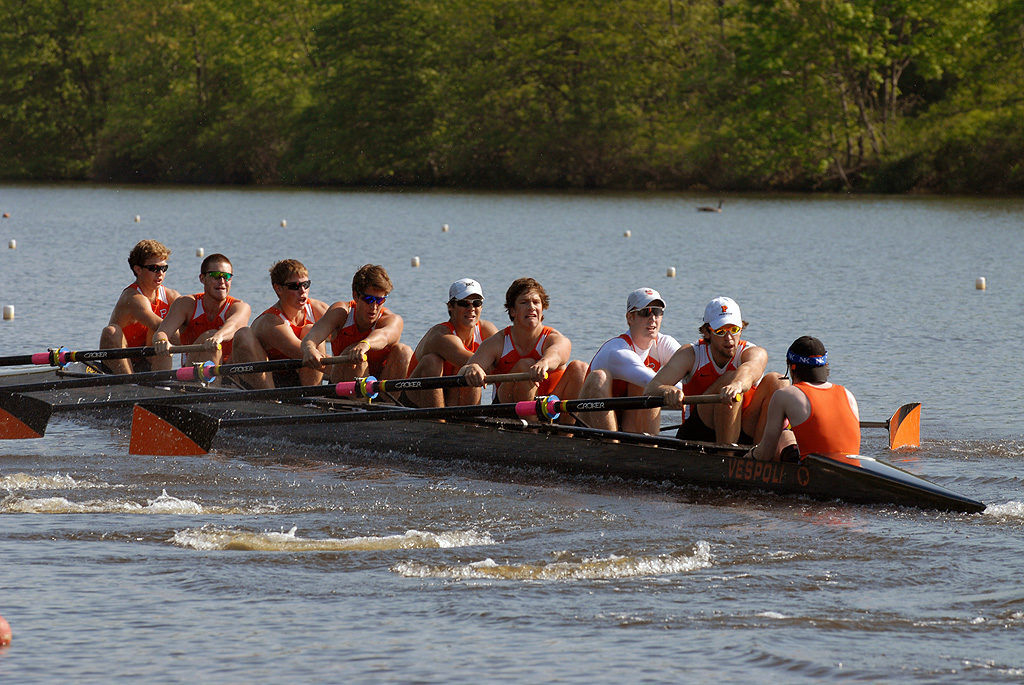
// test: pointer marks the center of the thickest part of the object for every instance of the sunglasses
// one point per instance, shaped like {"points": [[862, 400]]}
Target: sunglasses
{"points": [[155, 268], [650, 311], [466, 304], [298, 285], [731, 329], [373, 299], [220, 274]]}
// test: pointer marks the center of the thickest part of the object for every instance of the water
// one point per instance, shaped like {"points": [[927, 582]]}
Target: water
{"points": [[269, 563]]}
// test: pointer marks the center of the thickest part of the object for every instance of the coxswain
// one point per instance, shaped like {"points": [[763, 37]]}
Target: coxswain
{"points": [[141, 306], [624, 365], [362, 327], [277, 333], [447, 346], [209, 318], [719, 363], [823, 417]]}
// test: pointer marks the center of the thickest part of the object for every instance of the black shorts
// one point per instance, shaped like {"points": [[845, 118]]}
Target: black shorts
{"points": [[286, 378], [696, 429]]}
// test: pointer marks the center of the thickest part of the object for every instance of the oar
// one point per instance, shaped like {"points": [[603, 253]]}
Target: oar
{"points": [[24, 416], [195, 372], [62, 356], [904, 427], [173, 430]]}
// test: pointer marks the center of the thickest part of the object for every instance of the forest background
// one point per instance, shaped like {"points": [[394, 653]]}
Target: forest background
{"points": [[871, 95]]}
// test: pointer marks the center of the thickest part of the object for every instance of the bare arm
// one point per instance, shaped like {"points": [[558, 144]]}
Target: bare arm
{"points": [[556, 354], [752, 365], [483, 360], [325, 327], [675, 370], [177, 316]]}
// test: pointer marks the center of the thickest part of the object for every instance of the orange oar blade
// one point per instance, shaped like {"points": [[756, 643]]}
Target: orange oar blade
{"points": [[23, 417], [155, 430], [905, 427]]}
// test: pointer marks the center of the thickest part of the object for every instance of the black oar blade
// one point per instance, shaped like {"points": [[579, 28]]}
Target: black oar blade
{"points": [[171, 431], [905, 427], [22, 416]]}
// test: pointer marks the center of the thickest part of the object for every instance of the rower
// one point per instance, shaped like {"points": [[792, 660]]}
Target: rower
{"points": [[823, 416], [364, 327], [447, 347], [277, 333], [141, 306], [528, 345], [624, 365], [210, 318], [719, 363]]}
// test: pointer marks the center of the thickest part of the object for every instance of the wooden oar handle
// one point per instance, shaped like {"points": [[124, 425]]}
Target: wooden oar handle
{"points": [[182, 349], [347, 358], [508, 377]]}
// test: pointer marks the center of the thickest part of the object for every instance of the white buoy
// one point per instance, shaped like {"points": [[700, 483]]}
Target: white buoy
{"points": [[284, 223], [671, 273], [8, 312], [13, 244], [415, 261], [199, 252], [980, 283], [444, 229], [627, 234], [138, 218]]}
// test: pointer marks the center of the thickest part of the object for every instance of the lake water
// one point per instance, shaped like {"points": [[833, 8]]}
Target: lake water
{"points": [[268, 563]]}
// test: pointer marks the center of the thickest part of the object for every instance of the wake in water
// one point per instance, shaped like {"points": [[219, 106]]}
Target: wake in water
{"points": [[218, 538], [164, 504], [586, 569], [25, 481]]}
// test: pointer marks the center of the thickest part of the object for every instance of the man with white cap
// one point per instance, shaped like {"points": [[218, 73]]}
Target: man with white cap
{"points": [[719, 363], [626, 364], [447, 346], [823, 416]]}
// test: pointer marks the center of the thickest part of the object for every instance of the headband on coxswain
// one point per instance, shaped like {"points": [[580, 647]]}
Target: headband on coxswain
{"points": [[817, 360]]}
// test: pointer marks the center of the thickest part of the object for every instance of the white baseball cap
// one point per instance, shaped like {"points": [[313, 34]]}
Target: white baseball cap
{"points": [[722, 311], [463, 288], [642, 297]]}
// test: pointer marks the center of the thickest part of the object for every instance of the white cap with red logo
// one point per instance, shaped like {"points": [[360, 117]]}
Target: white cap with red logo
{"points": [[722, 311], [643, 297], [463, 288]]}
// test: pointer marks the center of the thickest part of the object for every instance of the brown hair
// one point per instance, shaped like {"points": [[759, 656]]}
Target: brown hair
{"points": [[147, 249], [520, 286], [215, 257], [371, 276], [280, 272]]}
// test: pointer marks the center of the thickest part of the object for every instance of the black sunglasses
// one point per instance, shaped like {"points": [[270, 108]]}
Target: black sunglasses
{"points": [[466, 304], [650, 311], [155, 268], [298, 285]]}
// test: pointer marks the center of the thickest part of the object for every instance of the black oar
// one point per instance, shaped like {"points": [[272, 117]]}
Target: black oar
{"points": [[24, 416], [904, 427], [173, 430], [62, 356]]}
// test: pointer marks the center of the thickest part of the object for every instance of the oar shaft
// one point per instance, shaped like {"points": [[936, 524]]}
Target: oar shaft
{"points": [[61, 356], [370, 387]]}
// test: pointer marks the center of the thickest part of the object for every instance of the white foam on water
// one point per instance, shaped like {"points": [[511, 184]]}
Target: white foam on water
{"points": [[610, 567], [220, 538], [26, 481], [164, 504], [1007, 510]]}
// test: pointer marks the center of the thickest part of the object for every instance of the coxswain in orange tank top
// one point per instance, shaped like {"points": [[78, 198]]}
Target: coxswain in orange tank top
{"points": [[823, 417]]}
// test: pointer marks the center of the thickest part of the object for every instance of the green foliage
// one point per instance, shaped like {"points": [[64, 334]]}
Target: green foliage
{"points": [[889, 95]]}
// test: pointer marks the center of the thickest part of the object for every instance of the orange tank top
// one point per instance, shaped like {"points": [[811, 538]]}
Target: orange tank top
{"points": [[308, 317], [136, 334], [510, 356], [705, 371], [832, 425], [203, 321], [448, 368], [350, 333]]}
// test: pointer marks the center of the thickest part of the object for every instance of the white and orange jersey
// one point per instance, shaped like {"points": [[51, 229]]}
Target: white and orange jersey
{"points": [[203, 321], [510, 356], [626, 363], [136, 334], [308, 317], [705, 371]]}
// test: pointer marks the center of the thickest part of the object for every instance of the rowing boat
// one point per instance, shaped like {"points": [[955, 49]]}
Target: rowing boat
{"points": [[163, 424]]}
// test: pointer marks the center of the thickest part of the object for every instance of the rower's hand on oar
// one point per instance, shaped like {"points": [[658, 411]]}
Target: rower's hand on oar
{"points": [[539, 371], [474, 374], [212, 343], [672, 395], [162, 347], [732, 392]]}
